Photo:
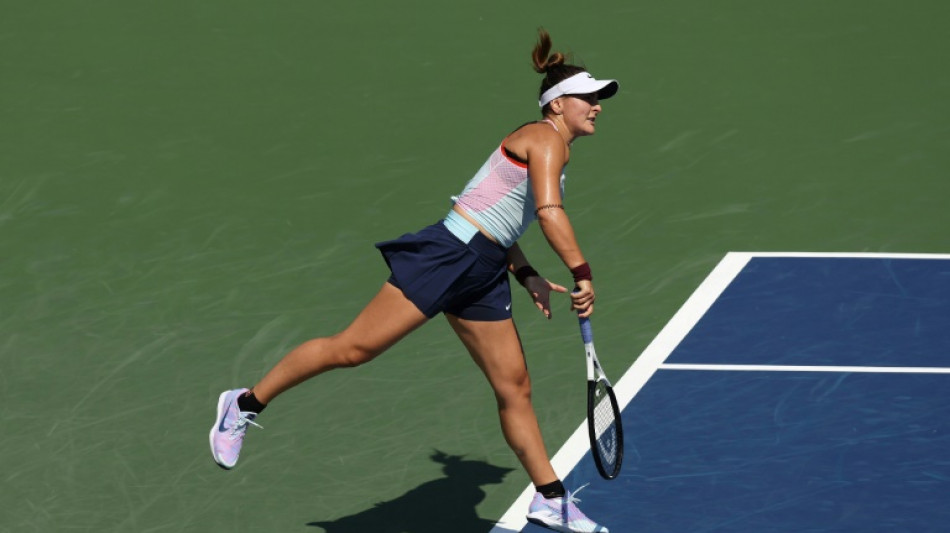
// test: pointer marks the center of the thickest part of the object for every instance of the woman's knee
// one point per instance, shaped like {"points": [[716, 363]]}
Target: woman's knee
{"points": [[347, 352], [514, 391]]}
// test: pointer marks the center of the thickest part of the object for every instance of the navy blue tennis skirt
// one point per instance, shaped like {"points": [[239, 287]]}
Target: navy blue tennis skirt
{"points": [[442, 274]]}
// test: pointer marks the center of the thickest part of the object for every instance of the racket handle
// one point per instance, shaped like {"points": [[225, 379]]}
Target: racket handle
{"points": [[587, 333]]}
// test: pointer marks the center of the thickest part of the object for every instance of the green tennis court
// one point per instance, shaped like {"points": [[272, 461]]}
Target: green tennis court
{"points": [[188, 190]]}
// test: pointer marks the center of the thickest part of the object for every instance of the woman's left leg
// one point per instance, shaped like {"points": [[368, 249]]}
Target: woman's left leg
{"points": [[496, 349]]}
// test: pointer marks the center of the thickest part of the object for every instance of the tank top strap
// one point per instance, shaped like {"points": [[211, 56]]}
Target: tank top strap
{"points": [[553, 125]]}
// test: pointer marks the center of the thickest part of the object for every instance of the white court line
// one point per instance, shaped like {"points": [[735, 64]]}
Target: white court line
{"points": [[794, 368], [656, 353]]}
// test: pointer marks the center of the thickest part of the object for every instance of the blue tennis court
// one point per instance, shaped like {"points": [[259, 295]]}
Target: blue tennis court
{"points": [[791, 392]]}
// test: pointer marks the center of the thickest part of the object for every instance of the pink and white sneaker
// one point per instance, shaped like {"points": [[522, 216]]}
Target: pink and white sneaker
{"points": [[227, 434], [561, 514]]}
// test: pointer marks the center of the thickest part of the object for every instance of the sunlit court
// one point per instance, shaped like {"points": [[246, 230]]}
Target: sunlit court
{"points": [[790, 392], [189, 191]]}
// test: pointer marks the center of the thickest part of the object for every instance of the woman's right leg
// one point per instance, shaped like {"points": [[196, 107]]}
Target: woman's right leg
{"points": [[387, 318], [496, 349]]}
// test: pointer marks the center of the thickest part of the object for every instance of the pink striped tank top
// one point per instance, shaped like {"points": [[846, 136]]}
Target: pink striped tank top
{"points": [[499, 197]]}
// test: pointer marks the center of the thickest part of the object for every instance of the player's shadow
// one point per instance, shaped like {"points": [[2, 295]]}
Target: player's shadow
{"points": [[437, 506]]}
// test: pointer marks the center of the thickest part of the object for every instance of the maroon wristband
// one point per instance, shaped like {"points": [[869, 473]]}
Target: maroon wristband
{"points": [[582, 272], [524, 272]]}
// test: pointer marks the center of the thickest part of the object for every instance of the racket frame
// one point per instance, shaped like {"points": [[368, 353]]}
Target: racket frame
{"points": [[595, 373]]}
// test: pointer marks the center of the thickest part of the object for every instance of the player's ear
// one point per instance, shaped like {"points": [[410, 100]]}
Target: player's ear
{"points": [[557, 106]]}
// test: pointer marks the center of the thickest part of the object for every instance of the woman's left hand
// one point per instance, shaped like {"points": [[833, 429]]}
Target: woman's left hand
{"points": [[540, 290]]}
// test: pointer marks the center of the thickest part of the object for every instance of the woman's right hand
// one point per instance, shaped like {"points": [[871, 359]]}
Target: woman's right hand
{"points": [[582, 298]]}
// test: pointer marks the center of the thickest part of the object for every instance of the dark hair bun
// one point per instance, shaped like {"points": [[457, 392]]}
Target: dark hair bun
{"points": [[542, 57]]}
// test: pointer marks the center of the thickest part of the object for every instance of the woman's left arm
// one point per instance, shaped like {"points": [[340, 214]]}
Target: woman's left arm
{"points": [[538, 287]]}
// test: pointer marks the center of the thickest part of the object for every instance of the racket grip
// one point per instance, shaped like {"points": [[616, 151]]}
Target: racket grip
{"points": [[587, 333]]}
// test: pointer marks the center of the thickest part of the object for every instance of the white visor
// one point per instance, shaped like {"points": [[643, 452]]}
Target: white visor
{"points": [[580, 83]]}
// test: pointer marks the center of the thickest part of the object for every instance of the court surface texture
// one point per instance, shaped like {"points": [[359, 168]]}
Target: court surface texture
{"points": [[797, 392], [189, 190]]}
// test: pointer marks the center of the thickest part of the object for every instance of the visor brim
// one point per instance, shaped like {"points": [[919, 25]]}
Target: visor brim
{"points": [[582, 83]]}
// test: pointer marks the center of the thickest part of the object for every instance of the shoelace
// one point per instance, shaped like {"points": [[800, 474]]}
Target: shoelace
{"points": [[574, 493], [571, 501], [240, 426]]}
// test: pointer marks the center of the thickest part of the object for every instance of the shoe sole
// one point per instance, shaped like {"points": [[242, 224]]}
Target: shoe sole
{"points": [[214, 429], [548, 525], [556, 526]]}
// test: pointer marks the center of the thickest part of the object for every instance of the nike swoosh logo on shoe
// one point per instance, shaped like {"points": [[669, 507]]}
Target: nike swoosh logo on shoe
{"points": [[227, 408]]}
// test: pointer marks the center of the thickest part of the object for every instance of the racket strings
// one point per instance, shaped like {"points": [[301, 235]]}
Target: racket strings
{"points": [[605, 425]]}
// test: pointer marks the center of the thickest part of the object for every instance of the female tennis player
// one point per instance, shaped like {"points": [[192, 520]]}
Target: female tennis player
{"points": [[459, 267]]}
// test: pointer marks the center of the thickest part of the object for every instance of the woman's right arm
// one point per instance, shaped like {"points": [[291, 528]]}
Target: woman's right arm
{"points": [[546, 158]]}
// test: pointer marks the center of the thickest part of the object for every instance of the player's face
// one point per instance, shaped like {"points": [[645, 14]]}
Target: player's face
{"points": [[580, 113]]}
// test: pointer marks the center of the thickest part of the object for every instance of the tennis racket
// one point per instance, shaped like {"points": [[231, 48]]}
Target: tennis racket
{"points": [[603, 413]]}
